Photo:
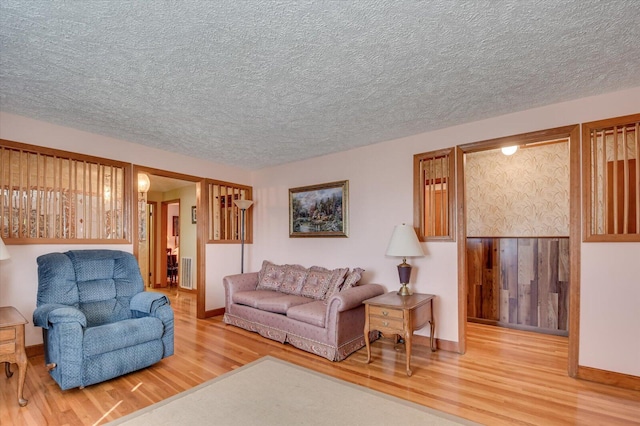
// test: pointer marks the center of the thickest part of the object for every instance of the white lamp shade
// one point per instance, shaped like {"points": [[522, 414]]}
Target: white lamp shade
{"points": [[243, 204], [143, 182], [4, 253], [404, 242]]}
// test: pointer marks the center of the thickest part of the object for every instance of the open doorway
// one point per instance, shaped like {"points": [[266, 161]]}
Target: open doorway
{"points": [[171, 258], [517, 240], [171, 244], [571, 134]]}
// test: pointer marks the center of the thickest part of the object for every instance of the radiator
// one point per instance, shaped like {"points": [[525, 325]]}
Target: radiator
{"points": [[186, 272]]}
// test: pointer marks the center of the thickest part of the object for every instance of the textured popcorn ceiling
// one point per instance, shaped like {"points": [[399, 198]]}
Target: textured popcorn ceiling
{"points": [[259, 83]]}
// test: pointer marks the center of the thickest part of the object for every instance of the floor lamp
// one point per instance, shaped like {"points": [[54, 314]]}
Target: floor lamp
{"points": [[243, 205]]}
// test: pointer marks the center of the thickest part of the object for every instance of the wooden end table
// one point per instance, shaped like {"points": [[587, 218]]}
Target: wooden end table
{"points": [[399, 315], [12, 346]]}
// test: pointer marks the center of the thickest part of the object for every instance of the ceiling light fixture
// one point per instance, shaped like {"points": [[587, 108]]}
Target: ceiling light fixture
{"points": [[509, 150]]}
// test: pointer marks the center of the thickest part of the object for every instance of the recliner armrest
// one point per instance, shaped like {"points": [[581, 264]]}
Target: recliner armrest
{"points": [[53, 313], [148, 302]]}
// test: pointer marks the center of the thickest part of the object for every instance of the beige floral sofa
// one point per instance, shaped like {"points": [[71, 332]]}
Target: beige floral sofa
{"points": [[314, 309]]}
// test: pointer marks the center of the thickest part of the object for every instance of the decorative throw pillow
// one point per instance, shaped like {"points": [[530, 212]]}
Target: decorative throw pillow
{"points": [[337, 280], [294, 276], [316, 284], [272, 277], [352, 279], [263, 270]]}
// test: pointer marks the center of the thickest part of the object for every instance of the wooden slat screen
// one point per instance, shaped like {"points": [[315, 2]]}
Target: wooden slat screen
{"points": [[612, 179], [433, 194], [225, 225], [49, 195]]}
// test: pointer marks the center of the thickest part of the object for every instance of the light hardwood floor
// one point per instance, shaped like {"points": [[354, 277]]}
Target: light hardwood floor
{"points": [[507, 377]]}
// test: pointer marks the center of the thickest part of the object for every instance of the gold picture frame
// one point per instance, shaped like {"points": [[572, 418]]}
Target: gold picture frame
{"points": [[319, 210]]}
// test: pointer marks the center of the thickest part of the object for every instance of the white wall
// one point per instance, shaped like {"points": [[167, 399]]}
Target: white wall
{"points": [[381, 188], [18, 275]]}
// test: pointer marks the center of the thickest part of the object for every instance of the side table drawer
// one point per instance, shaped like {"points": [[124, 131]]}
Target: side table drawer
{"points": [[386, 325], [385, 312], [7, 348], [7, 334]]}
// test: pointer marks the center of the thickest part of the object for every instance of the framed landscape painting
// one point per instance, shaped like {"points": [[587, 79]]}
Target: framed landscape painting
{"points": [[319, 210]]}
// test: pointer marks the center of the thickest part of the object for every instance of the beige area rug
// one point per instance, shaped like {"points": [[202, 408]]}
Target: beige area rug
{"points": [[274, 392]]}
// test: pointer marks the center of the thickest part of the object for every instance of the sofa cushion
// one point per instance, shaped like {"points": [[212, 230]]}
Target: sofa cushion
{"points": [[316, 284], [271, 276], [313, 313], [280, 304], [293, 280], [251, 297]]}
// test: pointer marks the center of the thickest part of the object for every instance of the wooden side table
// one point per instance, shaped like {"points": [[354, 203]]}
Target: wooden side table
{"points": [[399, 315], [12, 346]]}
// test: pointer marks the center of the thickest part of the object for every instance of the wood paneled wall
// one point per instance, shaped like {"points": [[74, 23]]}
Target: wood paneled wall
{"points": [[519, 282]]}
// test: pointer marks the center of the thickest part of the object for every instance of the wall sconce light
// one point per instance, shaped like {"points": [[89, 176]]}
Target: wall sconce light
{"points": [[143, 183], [143, 186]]}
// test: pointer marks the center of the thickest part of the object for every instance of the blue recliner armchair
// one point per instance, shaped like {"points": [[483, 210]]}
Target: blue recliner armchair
{"points": [[97, 321]]}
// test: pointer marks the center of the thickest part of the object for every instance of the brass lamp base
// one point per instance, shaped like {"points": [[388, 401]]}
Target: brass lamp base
{"points": [[404, 272], [404, 290]]}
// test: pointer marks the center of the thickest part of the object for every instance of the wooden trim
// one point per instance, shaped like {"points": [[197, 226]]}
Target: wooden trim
{"points": [[37, 149], [461, 218], [612, 238], [575, 244], [163, 173], [417, 198], [587, 171], [612, 378], [613, 121], [248, 213], [24, 241], [202, 229], [586, 183], [554, 134], [444, 345], [418, 195], [70, 157], [214, 312]]}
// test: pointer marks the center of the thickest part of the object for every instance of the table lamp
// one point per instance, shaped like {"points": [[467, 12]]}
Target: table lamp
{"points": [[404, 243]]}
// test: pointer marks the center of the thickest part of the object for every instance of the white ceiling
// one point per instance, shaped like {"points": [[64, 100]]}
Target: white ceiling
{"points": [[259, 83]]}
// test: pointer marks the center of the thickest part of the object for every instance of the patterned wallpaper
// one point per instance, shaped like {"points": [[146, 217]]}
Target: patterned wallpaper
{"points": [[522, 195]]}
